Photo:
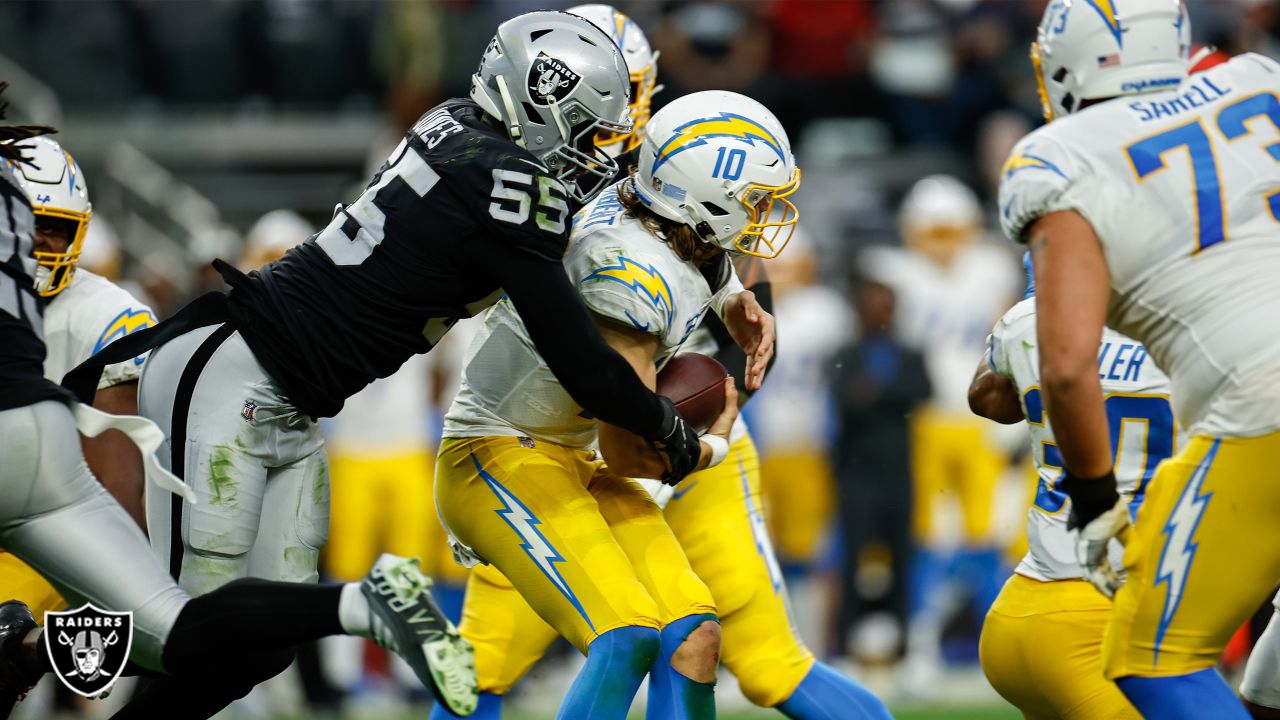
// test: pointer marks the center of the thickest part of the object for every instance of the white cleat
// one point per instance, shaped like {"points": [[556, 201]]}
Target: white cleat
{"points": [[407, 621]]}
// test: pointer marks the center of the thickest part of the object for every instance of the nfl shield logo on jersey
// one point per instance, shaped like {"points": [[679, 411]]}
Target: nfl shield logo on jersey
{"points": [[88, 647], [550, 79]]}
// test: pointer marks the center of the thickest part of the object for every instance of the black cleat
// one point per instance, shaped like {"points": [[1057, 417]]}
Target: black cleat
{"points": [[19, 671]]}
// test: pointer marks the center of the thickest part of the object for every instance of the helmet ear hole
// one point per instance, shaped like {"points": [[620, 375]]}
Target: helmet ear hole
{"points": [[533, 36], [531, 113], [714, 209], [1060, 75]]}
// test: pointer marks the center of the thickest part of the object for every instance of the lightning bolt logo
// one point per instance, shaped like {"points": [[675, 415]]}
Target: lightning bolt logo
{"points": [[647, 282], [695, 132], [1023, 160], [1179, 546], [535, 545], [1106, 10], [128, 321]]}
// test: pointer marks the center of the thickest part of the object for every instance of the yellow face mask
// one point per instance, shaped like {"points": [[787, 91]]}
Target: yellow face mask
{"points": [[1037, 63], [642, 86], [766, 237], [61, 266]]}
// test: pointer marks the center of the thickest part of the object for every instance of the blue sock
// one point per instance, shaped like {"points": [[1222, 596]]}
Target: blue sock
{"points": [[980, 568], [617, 662], [928, 569], [490, 708], [450, 598], [673, 696], [825, 694], [1201, 695]]}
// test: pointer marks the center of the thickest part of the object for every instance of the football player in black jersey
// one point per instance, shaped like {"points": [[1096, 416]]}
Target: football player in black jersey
{"points": [[61, 521], [474, 204]]}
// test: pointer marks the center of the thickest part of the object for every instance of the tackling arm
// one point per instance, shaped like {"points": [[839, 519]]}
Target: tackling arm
{"points": [[113, 457]]}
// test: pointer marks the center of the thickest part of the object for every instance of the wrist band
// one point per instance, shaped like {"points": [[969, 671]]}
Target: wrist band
{"points": [[719, 449]]}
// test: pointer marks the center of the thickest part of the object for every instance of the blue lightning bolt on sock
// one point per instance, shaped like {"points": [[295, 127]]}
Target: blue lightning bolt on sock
{"points": [[617, 662], [489, 708], [825, 694], [672, 696], [1201, 695]]}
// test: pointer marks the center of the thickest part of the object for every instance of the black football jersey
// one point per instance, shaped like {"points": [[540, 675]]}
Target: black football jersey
{"points": [[394, 270], [22, 351]]}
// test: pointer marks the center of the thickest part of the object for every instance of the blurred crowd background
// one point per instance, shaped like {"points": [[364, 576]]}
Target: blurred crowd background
{"points": [[230, 128]]}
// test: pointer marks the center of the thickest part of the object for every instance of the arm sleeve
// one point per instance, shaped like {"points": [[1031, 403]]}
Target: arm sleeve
{"points": [[593, 374], [729, 354], [1040, 177]]}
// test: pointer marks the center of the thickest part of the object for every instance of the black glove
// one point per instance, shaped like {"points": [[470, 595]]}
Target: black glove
{"points": [[676, 443], [1089, 498]]}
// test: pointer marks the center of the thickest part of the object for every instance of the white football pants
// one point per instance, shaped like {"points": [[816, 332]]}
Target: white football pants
{"points": [[60, 521], [256, 465]]}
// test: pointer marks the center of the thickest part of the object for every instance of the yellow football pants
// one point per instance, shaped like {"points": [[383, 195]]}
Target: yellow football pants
{"points": [[951, 457], [18, 581], [1201, 559], [716, 514], [384, 504], [799, 499], [1041, 649], [588, 550]]}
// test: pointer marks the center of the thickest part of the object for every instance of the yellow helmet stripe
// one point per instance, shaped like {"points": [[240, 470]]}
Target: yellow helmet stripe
{"points": [[694, 132], [1106, 9]]}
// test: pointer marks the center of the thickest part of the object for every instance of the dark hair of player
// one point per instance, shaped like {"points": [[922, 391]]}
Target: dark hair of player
{"points": [[10, 134], [683, 239]]}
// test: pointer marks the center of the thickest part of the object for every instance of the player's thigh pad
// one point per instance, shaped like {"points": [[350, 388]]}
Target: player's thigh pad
{"points": [[295, 521], [507, 634], [526, 510], [62, 522], [639, 527], [1201, 558], [1041, 649], [717, 514], [229, 425]]}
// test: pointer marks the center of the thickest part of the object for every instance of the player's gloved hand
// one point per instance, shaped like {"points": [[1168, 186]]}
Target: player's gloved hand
{"points": [[676, 443], [1100, 514]]}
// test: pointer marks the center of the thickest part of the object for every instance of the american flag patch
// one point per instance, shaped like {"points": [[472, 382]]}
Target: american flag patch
{"points": [[1108, 60]]}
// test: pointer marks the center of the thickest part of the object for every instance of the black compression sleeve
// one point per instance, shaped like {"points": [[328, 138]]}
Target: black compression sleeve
{"points": [[596, 376], [729, 354]]}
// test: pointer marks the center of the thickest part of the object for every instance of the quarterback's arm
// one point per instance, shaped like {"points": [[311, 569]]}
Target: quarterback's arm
{"points": [[626, 453], [1072, 289], [994, 397], [729, 353], [113, 457]]}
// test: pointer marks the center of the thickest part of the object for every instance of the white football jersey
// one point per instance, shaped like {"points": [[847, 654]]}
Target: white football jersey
{"points": [[84, 318], [1143, 432], [623, 273], [1183, 190]]}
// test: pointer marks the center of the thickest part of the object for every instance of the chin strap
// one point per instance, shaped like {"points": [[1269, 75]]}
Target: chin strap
{"points": [[513, 125]]}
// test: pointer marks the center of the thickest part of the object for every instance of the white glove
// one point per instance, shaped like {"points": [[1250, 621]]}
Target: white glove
{"points": [[1091, 547]]}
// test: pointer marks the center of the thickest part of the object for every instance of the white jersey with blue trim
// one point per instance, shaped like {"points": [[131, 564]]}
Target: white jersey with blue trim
{"points": [[90, 313], [1182, 188], [1143, 433], [624, 274]]}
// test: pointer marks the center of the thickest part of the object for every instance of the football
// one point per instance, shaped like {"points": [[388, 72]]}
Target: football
{"points": [[695, 383]]}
